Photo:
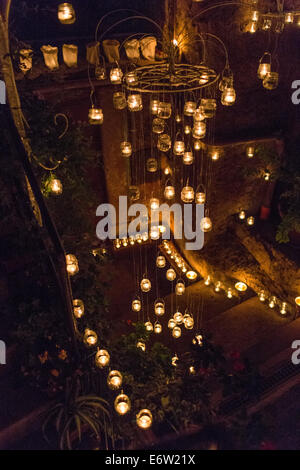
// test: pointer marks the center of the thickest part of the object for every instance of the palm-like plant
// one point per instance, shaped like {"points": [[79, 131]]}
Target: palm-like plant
{"points": [[75, 414]]}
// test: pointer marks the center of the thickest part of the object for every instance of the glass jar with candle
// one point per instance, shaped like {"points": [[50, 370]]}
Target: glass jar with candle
{"points": [[66, 13], [189, 108], [188, 158], [102, 358], [209, 107], [206, 224], [159, 307], [179, 146], [144, 419], [152, 165], [126, 149], [164, 143], [90, 338], [228, 97], [160, 261], [132, 78], [78, 308], [199, 129], [95, 116], [114, 379], [169, 192], [72, 264], [270, 82], [145, 285], [119, 100], [187, 194], [264, 66], [135, 102], [116, 75], [164, 110], [158, 126], [154, 103]]}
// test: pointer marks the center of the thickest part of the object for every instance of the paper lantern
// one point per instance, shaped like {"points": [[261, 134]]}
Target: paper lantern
{"points": [[148, 46], [95, 116], [66, 13], [119, 100], [111, 50], [116, 75], [132, 49], [159, 307], [171, 274], [154, 232], [160, 261], [72, 264], [187, 194], [25, 60], [102, 358], [270, 82], [90, 337], [114, 379], [78, 308], [149, 326], [209, 106], [176, 332], [92, 52], [145, 285], [164, 110], [169, 192], [126, 149], [70, 55], [180, 288], [50, 57], [206, 224], [135, 102], [158, 126], [122, 404], [144, 419], [164, 143]]}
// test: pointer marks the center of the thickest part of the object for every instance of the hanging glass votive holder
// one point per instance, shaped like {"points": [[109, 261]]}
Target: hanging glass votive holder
{"points": [[199, 114], [135, 102], [116, 75], [189, 108], [199, 130], [169, 192], [171, 274], [158, 126], [152, 165], [164, 143], [154, 103], [78, 308], [209, 107], [179, 146], [164, 110], [264, 66], [180, 287], [132, 78], [187, 194], [119, 100], [188, 157], [95, 116], [66, 13], [159, 307], [200, 196], [270, 82], [160, 261], [126, 149]]}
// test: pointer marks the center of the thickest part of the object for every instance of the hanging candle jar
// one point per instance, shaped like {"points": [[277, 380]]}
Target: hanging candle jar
{"points": [[188, 157], [90, 337], [250, 220], [209, 107], [187, 194], [199, 114], [134, 193], [267, 24], [159, 307], [264, 65], [122, 404], [154, 204], [95, 116], [135, 102], [151, 165], [262, 296], [50, 57], [270, 82], [272, 301], [188, 321], [176, 332], [149, 326], [72, 264], [100, 71], [141, 345], [154, 232], [197, 144], [171, 274], [126, 149], [169, 192], [114, 379], [144, 419], [158, 126], [160, 261], [289, 18], [200, 196], [132, 78], [78, 308], [119, 100], [55, 186], [228, 97], [187, 129], [199, 130], [116, 75], [178, 317], [145, 285], [164, 143], [241, 286], [171, 323], [164, 110], [179, 146], [136, 305], [102, 358], [157, 328], [66, 13], [189, 108], [226, 80], [250, 151], [206, 224], [154, 103], [180, 287]]}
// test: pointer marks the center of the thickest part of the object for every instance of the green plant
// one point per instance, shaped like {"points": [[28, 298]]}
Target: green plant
{"points": [[75, 415]]}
